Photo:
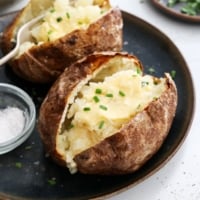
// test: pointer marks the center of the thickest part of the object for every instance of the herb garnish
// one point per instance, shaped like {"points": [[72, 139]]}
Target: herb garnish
{"points": [[96, 99], [68, 15], [70, 126], [86, 109], [50, 32], [59, 19], [121, 93], [52, 181], [139, 71], [28, 147], [18, 164], [173, 74], [109, 95], [144, 83], [52, 10], [98, 91], [189, 7], [103, 107], [101, 124]]}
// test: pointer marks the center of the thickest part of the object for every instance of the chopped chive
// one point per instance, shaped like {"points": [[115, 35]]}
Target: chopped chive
{"points": [[52, 10], [103, 107], [68, 15], [139, 105], [28, 147], [50, 32], [144, 83], [86, 109], [138, 71], [109, 95], [155, 98], [80, 22], [52, 181], [70, 126], [98, 91], [96, 99], [121, 93], [173, 74], [18, 164], [59, 19], [101, 124]]}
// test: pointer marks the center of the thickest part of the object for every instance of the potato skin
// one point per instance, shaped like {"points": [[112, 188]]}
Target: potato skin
{"points": [[53, 106], [44, 63], [128, 149]]}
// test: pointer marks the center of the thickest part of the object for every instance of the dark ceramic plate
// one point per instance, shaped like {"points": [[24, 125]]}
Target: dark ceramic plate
{"points": [[175, 11], [26, 173]]}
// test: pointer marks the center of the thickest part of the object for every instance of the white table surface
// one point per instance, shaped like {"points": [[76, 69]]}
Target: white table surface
{"points": [[179, 179]]}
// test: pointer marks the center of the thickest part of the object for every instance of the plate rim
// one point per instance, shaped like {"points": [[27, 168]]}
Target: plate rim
{"points": [[160, 165], [174, 13]]}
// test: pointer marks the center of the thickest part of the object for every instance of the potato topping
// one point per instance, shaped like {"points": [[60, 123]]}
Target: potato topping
{"points": [[102, 107], [62, 18]]}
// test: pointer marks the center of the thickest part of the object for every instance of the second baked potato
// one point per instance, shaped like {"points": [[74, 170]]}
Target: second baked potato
{"points": [[70, 30], [104, 116]]}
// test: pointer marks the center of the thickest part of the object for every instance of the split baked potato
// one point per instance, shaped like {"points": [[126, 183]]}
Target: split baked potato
{"points": [[104, 116], [69, 30]]}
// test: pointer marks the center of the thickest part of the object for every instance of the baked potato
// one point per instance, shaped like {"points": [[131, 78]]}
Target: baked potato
{"points": [[104, 116], [69, 30]]}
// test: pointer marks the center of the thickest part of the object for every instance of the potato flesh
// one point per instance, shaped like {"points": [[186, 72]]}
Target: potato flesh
{"points": [[95, 116], [61, 19]]}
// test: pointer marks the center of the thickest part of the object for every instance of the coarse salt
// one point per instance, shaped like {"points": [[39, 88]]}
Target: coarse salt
{"points": [[12, 122]]}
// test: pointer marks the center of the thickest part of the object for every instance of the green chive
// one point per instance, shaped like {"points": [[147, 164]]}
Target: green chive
{"points": [[155, 98], [28, 147], [18, 164], [138, 71], [52, 181], [103, 107], [96, 99], [50, 32], [138, 106], [173, 74], [86, 109], [144, 83], [70, 126], [101, 124], [98, 91], [121, 93], [59, 19], [109, 95], [68, 15], [52, 10]]}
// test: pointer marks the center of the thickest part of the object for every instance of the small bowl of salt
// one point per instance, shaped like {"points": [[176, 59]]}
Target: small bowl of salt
{"points": [[17, 117]]}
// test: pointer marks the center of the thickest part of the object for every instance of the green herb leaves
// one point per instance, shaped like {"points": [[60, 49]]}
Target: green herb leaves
{"points": [[18, 165], [59, 19], [103, 107], [189, 7]]}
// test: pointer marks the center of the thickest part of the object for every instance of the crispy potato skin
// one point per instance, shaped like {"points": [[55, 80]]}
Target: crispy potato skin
{"points": [[44, 63], [127, 150], [135, 143]]}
